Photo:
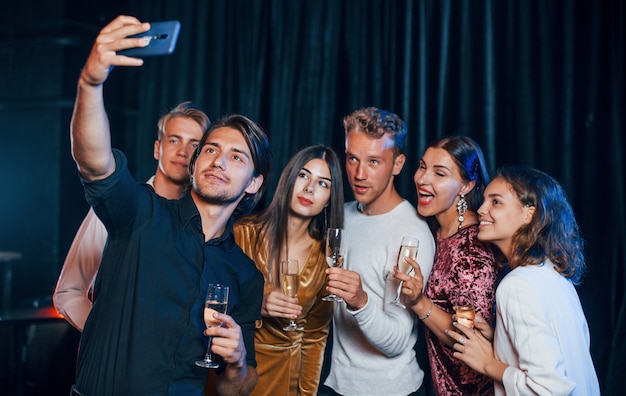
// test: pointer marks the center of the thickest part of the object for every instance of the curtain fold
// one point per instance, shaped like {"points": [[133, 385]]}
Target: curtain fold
{"points": [[538, 82]]}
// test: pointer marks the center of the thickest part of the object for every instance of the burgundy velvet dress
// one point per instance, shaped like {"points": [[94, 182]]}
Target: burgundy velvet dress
{"points": [[463, 264]]}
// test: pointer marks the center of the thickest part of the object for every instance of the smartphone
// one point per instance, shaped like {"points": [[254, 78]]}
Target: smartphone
{"points": [[163, 37]]}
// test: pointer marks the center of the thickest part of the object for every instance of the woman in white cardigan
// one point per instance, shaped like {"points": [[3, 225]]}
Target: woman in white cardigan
{"points": [[541, 341]]}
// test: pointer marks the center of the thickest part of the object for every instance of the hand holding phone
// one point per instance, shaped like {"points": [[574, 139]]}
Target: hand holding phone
{"points": [[163, 37]]}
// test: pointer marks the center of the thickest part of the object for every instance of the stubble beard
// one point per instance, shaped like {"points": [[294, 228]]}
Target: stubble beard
{"points": [[216, 197]]}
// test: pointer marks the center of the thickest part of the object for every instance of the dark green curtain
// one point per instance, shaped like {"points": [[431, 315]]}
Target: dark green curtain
{"points": [[539, 83]]}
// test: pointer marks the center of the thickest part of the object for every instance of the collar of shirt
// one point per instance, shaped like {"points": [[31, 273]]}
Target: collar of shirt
{"points": [[189, 216]]}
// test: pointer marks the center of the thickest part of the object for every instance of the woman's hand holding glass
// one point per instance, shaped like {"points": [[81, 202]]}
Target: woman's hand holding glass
{"points": [[412, 286], [464, 307], [277, 304], [408, 250], [480, 325], [475, 350]]}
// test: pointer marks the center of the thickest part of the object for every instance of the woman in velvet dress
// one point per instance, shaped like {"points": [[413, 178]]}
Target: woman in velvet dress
{"points": [[308, 199], [450, 182]]}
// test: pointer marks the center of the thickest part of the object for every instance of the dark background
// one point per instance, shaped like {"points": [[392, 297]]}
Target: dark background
{"points": [[539, 83]]}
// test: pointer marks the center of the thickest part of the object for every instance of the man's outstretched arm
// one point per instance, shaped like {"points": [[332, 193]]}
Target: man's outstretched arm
{"points": [[90, 134]]}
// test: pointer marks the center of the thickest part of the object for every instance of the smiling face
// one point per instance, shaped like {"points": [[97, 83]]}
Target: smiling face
{"points": [[311, 190], [175, 149], [371, 167], [224, 169], [501, 215], [438, 182]]}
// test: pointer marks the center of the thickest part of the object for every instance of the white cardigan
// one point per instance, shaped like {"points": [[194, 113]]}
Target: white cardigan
{"points": [[542, 334]]}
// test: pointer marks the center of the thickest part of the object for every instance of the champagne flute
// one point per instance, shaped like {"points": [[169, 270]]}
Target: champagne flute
{"points": [[333, 255], [465, 309], [408, 248], [216, 301], [290, 281]]}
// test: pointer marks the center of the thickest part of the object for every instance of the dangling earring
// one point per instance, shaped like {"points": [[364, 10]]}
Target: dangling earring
{"points": [[461, 207]]}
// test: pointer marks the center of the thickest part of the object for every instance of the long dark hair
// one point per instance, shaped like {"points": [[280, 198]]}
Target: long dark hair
{"points": [[274, 219], [552, 232], [468, 156]]}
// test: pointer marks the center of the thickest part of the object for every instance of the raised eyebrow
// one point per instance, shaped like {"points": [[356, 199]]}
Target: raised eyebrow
{"points": [[326, 178], [321, 177], [242, 152]]}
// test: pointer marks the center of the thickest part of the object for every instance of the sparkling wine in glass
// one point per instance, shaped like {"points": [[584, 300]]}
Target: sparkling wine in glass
{"points": [[408, 248], [290, 281], [333, 256], [465, 309], [216, 301]]}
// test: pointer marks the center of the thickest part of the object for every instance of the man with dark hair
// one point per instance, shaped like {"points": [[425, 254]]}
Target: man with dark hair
{"points": [[146, 328], [179, 132]]}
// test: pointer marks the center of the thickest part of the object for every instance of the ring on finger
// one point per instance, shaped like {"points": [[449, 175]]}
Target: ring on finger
{"points": [[462, 340]]}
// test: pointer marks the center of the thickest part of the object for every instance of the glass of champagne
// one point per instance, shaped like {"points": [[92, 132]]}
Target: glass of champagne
{"points": [[333, 255], [465, 309], [408, 248], [216, 301], [290, 280]]}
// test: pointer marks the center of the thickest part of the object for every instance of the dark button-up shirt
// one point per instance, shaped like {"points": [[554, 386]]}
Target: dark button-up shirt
{"points": [[144, 332]]}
